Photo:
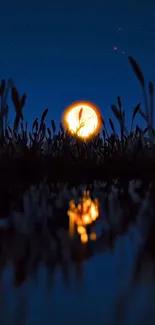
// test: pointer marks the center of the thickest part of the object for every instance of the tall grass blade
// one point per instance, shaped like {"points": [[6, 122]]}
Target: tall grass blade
{"points": [[6, 111], [22, 126], [136, 110], [61, 128], [140, 77], [151, 94], [10, 130], [15, 99], [102, 120], [49, 132], [35, 124], [4, 98], [137, 71], [42, 119], [112, 125], [119, 102], [16, 122], [2, 87], [53, 126], [44, 115], [143, 115], [80, 113], [103, 132], [116, 112], [23, 101], [44, 128]]}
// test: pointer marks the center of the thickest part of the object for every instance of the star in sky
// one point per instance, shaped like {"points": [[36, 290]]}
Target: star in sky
{"points": [[115, 48]]}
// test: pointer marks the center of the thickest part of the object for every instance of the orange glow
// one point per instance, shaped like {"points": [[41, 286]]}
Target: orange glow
{"points": [[82, 119], [86, 219], [81, 230], [82, 215], [71, 218], [84, 238], [93, 236]]}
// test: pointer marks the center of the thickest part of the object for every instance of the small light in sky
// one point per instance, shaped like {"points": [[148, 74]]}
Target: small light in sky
{"points": [[115, 48], [120, 28], [123, 52]]}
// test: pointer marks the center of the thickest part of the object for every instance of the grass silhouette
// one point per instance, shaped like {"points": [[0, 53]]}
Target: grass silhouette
{"points": [[44, 153], [44, 159], [28, 158], [49, 157]]}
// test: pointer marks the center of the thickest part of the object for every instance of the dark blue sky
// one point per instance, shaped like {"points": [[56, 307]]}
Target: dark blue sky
{"points": [[61, 51]]}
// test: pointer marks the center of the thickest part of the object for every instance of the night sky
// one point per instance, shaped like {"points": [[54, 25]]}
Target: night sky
{"points": [[62, 51]]}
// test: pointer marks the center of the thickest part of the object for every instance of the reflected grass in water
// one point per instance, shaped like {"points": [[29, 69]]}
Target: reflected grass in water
{"points": [[47, 239]]}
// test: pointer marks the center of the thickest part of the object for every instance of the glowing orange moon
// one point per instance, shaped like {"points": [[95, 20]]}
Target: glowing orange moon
{"points": [[82, 119]]}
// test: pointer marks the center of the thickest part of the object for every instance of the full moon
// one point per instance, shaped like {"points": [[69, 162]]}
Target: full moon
{"points": [[82, 119]]}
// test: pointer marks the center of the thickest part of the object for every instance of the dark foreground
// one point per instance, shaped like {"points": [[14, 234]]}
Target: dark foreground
{"points": [[48, 278]]}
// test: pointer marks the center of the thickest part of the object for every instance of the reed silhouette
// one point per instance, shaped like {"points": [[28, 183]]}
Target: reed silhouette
{"points": [[50, 162]]}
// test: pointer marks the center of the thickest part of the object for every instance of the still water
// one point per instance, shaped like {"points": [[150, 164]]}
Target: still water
{"points": [[106, 293], [107, 289]]}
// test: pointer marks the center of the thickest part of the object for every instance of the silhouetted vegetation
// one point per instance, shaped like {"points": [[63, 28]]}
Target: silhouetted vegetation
{"points": [[42, 156], [29, 157]]}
